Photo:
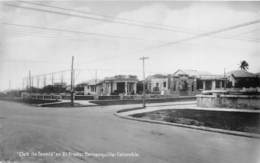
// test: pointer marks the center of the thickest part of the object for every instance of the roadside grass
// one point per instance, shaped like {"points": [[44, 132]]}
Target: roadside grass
{"points": [[236, 121]]}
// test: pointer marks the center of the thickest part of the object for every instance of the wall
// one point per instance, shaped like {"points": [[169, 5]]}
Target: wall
{"points": [[229, 101], [139, 101]]}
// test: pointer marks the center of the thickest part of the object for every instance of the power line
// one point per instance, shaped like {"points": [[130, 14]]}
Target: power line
{"points": [[206, 34], [76, 32], [95, 19], [113, 18], [155, 26], [246, 32]]}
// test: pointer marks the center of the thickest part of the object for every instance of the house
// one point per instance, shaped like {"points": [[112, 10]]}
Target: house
{"points": [[192, 82], [243, 78], [119, 84], [79, 88], [90, 88], [158, 84]]}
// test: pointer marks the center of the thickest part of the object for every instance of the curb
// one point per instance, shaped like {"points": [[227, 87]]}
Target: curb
{"points": [[222, 131], [50, 105]]}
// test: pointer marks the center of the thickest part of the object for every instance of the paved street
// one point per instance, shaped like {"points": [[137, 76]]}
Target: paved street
{"points": [[25, 128]]}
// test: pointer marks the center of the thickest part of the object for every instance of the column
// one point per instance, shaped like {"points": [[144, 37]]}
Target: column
{"points": [[126, 90], [213, 85], [114, 86], [111, 87], [134, 87], [204, 85]]}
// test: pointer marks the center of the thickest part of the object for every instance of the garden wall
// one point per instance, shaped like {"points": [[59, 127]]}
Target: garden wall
{"points": [[139, 101], [229, 101]]}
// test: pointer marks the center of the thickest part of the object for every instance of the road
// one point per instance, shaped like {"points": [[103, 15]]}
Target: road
{"points": [[25, 128]]}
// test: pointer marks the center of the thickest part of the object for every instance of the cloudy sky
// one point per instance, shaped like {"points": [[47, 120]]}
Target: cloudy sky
{"points": [[110, 37]]}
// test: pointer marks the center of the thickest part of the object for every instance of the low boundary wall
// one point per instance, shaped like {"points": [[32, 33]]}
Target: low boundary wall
{"points": [[229, 101], [139, 101]]}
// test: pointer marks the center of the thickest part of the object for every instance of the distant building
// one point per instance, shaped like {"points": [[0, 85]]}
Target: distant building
{"points": [[192, 82], [181, 83], [91, 87], [184, 82], [120, 84], [242, 78]]}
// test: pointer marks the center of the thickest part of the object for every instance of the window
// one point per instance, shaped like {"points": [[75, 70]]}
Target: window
{"points": [[164, 84], [218, 82], [199, 84]]}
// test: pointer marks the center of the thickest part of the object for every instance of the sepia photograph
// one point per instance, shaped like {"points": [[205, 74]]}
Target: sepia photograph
{"points": [[129, 81]]}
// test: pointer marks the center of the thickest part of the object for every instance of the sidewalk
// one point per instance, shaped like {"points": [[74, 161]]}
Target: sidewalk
{"points": [[82, 103]]}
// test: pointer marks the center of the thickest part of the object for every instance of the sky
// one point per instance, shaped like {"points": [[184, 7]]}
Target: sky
{"points": [[45, 51]]}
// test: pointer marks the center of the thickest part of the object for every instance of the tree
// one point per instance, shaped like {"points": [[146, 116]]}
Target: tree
{"points": [[244, 65]]}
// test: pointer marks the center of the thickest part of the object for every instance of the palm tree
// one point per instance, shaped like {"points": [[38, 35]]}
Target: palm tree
{"points": [[244, 65]]}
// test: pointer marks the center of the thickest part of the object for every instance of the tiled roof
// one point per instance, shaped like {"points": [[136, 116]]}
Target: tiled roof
{"points": [[241, 74], [122, 77], [212, 77], [92, 81], [190, 72], [157, 76]]}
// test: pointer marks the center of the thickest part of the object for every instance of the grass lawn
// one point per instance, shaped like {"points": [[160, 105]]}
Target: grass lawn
{"points": [[237, 121]]}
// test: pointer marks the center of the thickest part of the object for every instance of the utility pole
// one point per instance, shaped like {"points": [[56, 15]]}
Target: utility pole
{"points": [[30, 82], [143, 59], [32, 78], [44, 80], [61, 78], [225, 80], [23, 84], [72, 82], [96, 71], [52, 79]]}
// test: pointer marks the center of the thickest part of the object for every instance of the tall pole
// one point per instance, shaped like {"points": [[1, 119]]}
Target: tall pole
{"points": [[23, 84], [96, 71], [52, 79], [143, 59], [225, 80], [61, 78], [72, 82], [44, 80], [30, 82], [38, 82]]}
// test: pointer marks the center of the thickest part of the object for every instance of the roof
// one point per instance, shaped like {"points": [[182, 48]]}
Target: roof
{"points": [[212, 77], [122, 77], [193, 73], [157, 76], [241, 74], [90, 82]]}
